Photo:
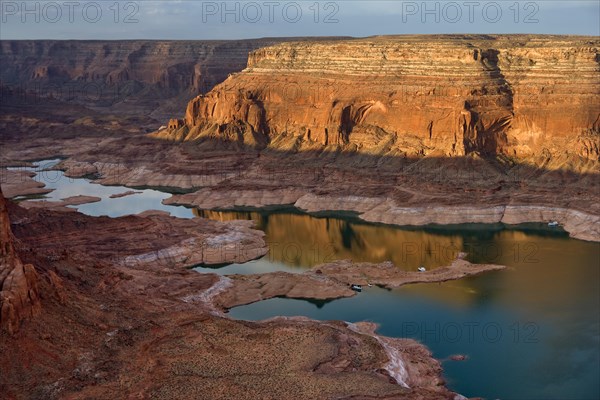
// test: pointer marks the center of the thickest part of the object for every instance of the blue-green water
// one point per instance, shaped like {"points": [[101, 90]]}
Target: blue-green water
{"points": [[63, 187], [531, 331]]}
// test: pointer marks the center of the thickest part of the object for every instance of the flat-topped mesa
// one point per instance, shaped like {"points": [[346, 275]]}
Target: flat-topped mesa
{"points": [[19, 297], [411, 96]]}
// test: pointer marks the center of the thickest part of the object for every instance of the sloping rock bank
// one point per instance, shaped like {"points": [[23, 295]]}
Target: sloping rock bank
{"points": [[579, 224], [318, 185]]}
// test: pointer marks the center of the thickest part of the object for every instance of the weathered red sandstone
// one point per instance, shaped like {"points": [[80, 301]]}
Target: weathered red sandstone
{"points": [[515, 96], [19, 297], [449, 129], [111, 328]]}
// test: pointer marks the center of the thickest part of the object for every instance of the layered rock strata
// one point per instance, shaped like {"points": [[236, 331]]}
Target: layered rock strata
{"points": [[408, 96], [124, 77]]}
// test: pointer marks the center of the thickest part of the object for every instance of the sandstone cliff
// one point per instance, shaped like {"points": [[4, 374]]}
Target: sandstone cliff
{"points": [[19, 296], [518, 96], [132, 77]]}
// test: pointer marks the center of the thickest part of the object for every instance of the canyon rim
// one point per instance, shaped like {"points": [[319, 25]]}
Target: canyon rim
{"points": [[287, 217]]}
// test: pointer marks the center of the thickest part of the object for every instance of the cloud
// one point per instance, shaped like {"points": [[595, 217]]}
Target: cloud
{"points": [[185, 19]]}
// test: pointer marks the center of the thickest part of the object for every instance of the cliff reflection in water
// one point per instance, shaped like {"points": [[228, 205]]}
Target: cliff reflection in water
{"points": [[298, 241], [544, 305], [301, 240]]}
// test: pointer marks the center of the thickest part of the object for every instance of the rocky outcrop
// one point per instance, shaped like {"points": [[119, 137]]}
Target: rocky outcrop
{"points": [[19, 297], [518, 96], [390, 276], [151, 239], [175, 123], [20, 182], [247, 289], [63, 204], [332, 280]]}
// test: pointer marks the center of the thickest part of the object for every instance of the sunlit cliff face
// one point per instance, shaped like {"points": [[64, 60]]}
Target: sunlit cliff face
{"points": [[412, 97]]}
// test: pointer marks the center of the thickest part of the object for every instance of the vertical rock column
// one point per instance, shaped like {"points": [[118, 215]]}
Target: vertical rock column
{"points": [[19, 296]]}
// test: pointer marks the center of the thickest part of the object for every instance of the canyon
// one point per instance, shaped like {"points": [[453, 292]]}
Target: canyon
{"points": [[401, 130], [110, 304], [455, 110], [133, 77]]}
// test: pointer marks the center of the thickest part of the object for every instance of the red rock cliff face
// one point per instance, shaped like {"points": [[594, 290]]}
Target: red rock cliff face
{"points": [[19, 298], [518, 96]]}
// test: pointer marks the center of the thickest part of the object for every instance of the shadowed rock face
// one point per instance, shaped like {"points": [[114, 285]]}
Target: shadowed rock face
{"points": [[19, 296], [518, 96], [123, 77]]}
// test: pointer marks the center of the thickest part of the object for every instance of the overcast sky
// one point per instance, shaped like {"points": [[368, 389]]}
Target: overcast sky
{"points": [[191, 19]]}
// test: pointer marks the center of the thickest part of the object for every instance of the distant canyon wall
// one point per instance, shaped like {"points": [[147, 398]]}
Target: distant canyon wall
{"points": [[134, 77], [518, 96]]}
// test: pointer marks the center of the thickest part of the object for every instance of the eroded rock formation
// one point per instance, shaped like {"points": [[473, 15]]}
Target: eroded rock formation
{"points": [[124, 77], [19, 297], [333, 280], [517, 96]]}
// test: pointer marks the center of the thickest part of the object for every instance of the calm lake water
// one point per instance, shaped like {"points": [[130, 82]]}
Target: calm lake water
{"points": [[531, 331], [147, 199]]}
